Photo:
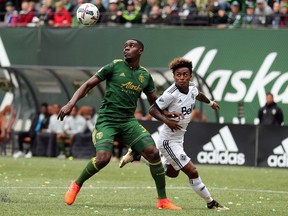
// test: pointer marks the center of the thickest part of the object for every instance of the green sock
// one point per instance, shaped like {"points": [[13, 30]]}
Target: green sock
{"points": [[158, 174], [61, 145], [89, 171]]}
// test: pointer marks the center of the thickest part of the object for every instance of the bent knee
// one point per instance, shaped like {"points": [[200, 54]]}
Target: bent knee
{"points": [[102, 158], [151, 153], [193, 173], [172, 175], [171, 172]]}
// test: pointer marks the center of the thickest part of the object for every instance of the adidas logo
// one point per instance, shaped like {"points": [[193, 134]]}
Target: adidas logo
{"points": [[222, 149], [280, 155], [180, 101], [122, 74]]}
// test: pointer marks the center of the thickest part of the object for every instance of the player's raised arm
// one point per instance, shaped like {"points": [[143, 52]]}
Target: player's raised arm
{"points": [[201, 97], [80, 93]]}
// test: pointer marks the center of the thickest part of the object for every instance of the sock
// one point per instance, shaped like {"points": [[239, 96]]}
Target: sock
{"points": [[158, 174], [200, 188], [61, 145], [90, 170]]}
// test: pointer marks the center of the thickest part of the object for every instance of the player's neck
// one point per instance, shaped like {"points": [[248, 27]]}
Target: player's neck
{"points": [[132, 65], [183, 90]]}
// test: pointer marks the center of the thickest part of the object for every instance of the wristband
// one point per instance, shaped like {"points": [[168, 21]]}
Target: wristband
{"points": [[211, 103]]}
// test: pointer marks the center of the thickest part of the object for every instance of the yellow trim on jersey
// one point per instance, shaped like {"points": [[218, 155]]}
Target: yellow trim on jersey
{"points": [[94, 136], [155, 164], [118, 60]]}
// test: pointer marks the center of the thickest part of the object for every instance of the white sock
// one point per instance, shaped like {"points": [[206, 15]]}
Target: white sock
{"points": [[200, 188]]}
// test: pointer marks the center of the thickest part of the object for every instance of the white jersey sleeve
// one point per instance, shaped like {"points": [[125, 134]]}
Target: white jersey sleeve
{"points": [[164, 100]]}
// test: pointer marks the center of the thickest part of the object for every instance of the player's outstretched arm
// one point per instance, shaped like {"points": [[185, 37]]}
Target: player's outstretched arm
{"points": [[80, 93], [201, 97]]}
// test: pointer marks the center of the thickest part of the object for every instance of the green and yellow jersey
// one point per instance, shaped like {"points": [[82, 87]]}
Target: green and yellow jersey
{"points": [[123, 88]]}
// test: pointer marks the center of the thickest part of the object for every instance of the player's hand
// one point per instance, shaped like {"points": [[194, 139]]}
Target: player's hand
{"points": [[173, 114], [65, 110], [173, 124], [215, 106]]}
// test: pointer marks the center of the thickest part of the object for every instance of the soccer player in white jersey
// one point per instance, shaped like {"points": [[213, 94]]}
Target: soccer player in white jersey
{"points": [[179, 100]]}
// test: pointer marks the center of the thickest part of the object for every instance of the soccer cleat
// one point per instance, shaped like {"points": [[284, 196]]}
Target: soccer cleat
{"points": [[129, 157], [217, 206], [167, 204], [18, 154], [28, 155], [72, 192]]}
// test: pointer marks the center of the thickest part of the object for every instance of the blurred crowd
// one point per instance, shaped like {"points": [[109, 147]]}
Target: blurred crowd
{"points": [[220, 13], [44, 123]]}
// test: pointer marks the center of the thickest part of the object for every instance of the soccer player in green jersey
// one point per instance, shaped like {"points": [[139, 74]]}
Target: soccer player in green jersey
{"points": [[125, 81]]}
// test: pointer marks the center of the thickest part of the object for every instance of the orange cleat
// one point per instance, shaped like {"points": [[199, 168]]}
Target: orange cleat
{"points": [[167, 204], [72, 192]]}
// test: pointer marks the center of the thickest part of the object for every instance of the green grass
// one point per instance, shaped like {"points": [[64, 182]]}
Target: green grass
{"points": [[37, 186]]}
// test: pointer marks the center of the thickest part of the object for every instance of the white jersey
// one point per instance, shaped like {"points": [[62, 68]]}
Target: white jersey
{"points": [[169, 143], [174, 100]]}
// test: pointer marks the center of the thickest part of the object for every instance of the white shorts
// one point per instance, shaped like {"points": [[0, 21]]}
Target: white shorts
{"points": [[172, 152]]}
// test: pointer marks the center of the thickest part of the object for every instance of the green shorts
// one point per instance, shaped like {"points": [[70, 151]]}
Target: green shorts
{"points": [[130, 133]]}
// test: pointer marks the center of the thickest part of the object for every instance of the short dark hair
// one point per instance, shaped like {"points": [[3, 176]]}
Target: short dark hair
{"points": [[269, 93], [140, 43], [44, 104], [180, 62]]}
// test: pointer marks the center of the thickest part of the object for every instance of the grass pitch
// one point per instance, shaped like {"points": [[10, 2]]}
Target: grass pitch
{"points": [[37, 186]]}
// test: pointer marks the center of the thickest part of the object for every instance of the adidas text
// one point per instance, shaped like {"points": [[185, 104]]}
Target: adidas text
{"points": [[278, 160], [225, 157]]}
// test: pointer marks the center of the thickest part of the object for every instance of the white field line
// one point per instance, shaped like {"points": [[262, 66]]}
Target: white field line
{"points": [[148, 187]]}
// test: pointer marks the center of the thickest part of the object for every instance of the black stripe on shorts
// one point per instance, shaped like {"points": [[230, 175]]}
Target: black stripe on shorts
{"points": [[171, 153]]}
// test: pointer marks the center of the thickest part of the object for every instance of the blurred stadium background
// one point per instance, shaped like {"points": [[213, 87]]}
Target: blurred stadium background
{"points": [[234, 63], [236, 67]]}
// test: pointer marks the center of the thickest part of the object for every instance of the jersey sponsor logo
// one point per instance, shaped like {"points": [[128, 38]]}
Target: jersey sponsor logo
{"points": [[279, 158], [186, 111], [130, 88], [222, 149]]}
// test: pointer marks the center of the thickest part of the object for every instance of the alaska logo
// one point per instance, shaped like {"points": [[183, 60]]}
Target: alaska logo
{"points": [[241, 90], [279, 158], [221, 150], [131, 86]]}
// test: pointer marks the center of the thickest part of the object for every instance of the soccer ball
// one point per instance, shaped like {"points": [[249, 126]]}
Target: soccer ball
{"points": [[87, 14]]}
